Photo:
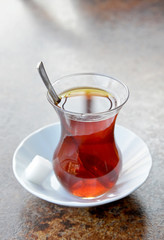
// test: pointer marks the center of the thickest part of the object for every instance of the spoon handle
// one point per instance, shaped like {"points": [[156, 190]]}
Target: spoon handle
{"points": [[47, 83]]}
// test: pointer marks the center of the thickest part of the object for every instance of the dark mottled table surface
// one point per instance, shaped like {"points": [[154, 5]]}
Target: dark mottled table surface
{"points": [[124, 39]]}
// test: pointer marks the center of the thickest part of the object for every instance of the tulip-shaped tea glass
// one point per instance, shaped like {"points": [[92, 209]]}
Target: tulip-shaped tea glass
{"points": [[87, 160]]}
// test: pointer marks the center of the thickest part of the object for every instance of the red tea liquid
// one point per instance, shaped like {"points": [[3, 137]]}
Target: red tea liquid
{"points": [[87, 161]]}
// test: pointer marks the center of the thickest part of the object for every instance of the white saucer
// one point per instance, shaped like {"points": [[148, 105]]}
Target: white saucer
{"points": [[137, 163]]}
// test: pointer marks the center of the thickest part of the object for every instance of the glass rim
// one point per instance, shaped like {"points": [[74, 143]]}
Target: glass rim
{"points": [[89, 114]]}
